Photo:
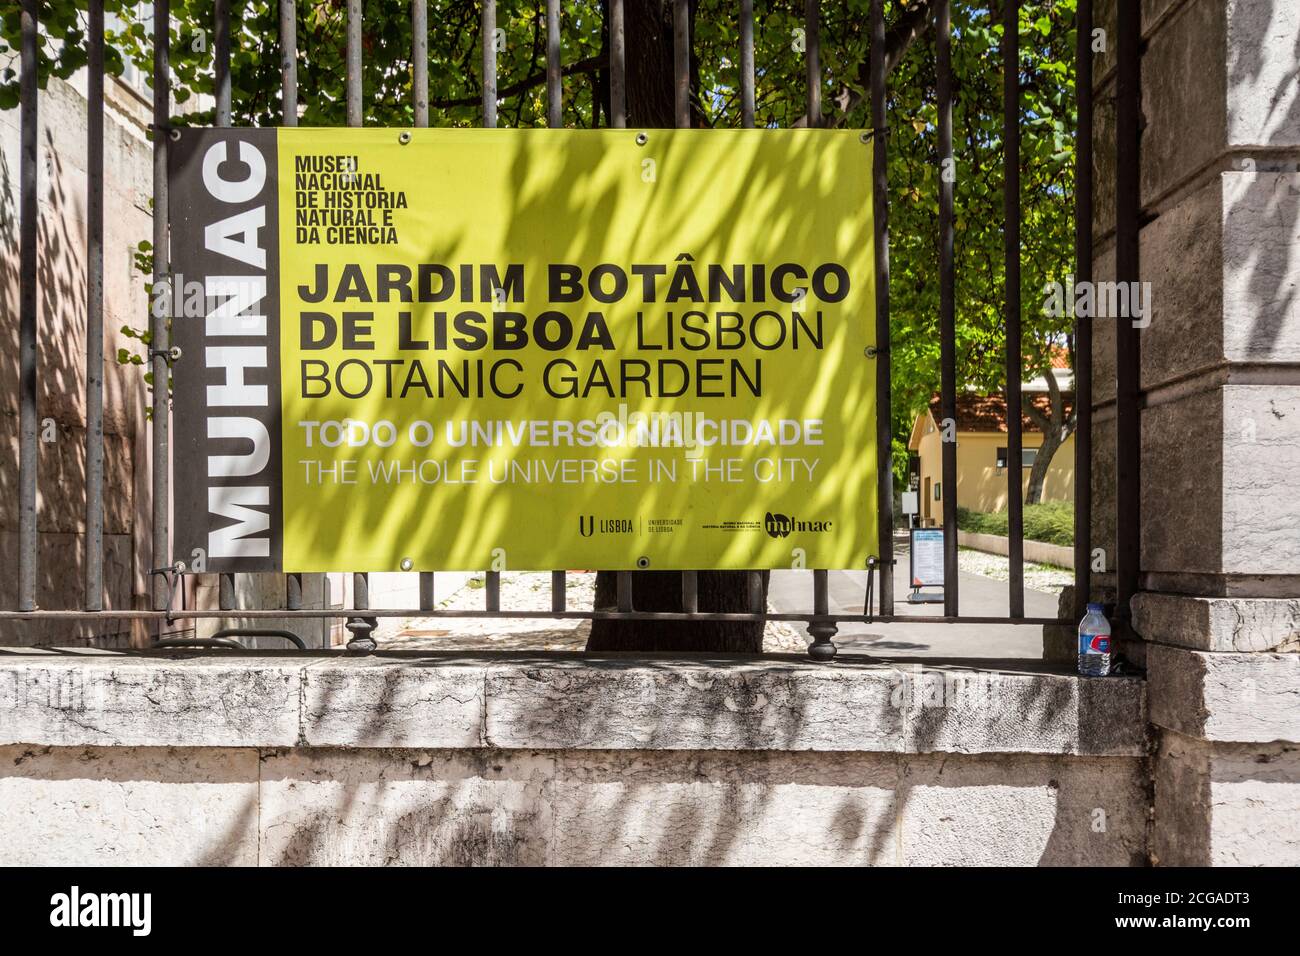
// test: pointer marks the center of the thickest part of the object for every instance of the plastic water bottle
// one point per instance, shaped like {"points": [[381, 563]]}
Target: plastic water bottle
{"points": [[1094, 643]]}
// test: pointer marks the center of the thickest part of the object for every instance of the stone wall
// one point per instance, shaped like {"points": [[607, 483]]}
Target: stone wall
{"points": [[1218, 616], [564, 759], [61, 304]]}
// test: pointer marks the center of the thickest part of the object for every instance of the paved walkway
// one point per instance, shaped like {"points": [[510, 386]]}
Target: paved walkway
{"points": [[792, 591]]}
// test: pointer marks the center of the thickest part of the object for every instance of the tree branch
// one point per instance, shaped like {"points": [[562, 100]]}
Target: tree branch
{"points": [[911, 26], [589, 65]]}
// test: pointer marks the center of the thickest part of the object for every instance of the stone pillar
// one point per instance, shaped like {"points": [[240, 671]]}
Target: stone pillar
{"points": [[1217, 622]]}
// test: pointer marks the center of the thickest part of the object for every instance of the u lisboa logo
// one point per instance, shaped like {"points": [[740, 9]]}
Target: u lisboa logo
{"points": [[590, 524], [780, 526]]}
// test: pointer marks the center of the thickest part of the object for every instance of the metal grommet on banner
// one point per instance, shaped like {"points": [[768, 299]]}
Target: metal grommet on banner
{"points": [[404, 137], [406, 564], [175, 135], [643, 562], [642, 138]]}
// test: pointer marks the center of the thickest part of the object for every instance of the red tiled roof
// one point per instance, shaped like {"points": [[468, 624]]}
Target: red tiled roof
{"points": [[988, 413]]}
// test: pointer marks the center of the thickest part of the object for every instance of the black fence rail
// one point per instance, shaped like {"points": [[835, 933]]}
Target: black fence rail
{"points": [[878, 600]]}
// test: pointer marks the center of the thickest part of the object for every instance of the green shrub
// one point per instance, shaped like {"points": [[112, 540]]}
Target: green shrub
{"points": [[1051, 522]]}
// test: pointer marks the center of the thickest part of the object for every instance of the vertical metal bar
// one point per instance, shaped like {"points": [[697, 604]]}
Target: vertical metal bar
{"points": [[1082, 324], [288, 63], [1128, 109], [690, 592], [947, 322], [554, 90], [293, 592], [754, 579], [326, 600], [559, 591], [28, 557], [221, 93], [221, 60], [354, 63], [1011, 253], [420, 90], [682, 62], [682, 118], [821, 592], [159, 316], [821, 648], [884, 378], [493, 590], [94, 548], [420, 61], [623, 580], [747, 64], [812, 58], [488, 29], [362, 628], [617, 66]]}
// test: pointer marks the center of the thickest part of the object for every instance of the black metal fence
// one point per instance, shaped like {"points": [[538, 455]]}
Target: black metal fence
{"points": [[822, 623]]}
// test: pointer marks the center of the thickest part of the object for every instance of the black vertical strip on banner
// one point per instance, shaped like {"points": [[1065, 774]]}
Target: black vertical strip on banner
{"points": [[225, 239]]}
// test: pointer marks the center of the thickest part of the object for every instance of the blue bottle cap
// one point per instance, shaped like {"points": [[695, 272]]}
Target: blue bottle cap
{"points": [[1096, 606]]}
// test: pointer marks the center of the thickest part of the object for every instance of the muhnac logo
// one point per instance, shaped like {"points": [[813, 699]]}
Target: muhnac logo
{"points": [[74, 908], [780, 526]]}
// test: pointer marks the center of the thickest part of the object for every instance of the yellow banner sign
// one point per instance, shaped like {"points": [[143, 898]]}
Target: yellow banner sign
{"points": [[535, 349]]}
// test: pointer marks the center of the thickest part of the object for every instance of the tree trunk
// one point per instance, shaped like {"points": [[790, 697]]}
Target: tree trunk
{"points": [[1038, 473], [721, 591], [649, 29], [1056, 428]]}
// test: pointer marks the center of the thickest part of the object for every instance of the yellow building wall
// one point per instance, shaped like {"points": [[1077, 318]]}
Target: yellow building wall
{"points": [[980, 485]]}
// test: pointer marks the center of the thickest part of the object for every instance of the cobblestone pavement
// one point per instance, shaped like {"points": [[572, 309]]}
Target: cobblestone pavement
{"points": [[1038, 577]]}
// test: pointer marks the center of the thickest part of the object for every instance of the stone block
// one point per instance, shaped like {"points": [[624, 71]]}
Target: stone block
{"points": [[1224, 804], [1219, 624], [1021, 811], [631, 808], [385, 702], [1217, 77], [1182, 490], [125, 701], [110, 806], [1263, 96], [957, 712], [1260, 271], [1261, 485], [1227, 697], [409, 808], [1182, 257], [1185, 98], [636, 704]]}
